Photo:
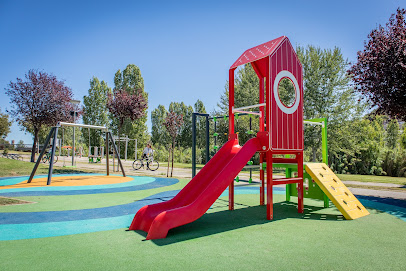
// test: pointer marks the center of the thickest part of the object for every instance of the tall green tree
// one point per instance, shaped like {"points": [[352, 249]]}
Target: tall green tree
{"points": [[95, 110], [392, 134], [159, 134], [131, 80], [403, 137], [327, 94], [246, 89], [200, 125], [246, 92], [184, 138], [5, 125]]}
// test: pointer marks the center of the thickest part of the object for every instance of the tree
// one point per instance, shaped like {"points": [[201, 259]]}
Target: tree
{"points": [[95, 109], [159, 134], [392, 134], [200, 125], [246, 92], [327, 94], [38, 101], [130, 79], [173, 122], [380, 70], [403, 137], [126, 106], [4, 125], [185, 130]]}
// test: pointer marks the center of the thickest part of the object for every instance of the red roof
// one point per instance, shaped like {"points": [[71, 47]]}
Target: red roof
{"points": [[258, 52]]}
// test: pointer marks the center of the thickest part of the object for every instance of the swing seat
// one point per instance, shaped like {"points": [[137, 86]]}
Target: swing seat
{"points": [[94, 159]]}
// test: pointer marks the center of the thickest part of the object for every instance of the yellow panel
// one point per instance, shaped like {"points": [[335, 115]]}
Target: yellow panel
{"points": [[338, 193]]}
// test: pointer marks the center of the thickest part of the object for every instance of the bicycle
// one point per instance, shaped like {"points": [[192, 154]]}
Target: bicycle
{"points": [[47, 158], [149, 161]]}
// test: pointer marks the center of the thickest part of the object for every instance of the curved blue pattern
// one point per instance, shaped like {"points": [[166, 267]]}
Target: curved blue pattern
{"points": [[58, 223], [70, 215]]}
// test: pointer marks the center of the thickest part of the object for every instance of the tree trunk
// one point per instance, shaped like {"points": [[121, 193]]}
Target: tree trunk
{"points": [[314, 151], [34, 145], [173, 151], [169, 157]]}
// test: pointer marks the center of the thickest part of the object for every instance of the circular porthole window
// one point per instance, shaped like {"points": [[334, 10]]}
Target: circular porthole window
{"points": [[286, 92]]}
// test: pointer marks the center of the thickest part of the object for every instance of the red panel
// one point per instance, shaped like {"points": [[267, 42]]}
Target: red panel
{"points": [[286, 128], [258, 52]]}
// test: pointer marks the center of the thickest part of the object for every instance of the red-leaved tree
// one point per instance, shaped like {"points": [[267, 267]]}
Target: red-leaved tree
{"points": [[380, 71], [39, 100], [173, 122], [123, 105]]}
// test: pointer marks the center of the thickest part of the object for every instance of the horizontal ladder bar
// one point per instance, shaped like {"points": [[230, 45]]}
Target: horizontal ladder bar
{"points": [[313, 123], [250, 106], [81, 125], [241, 111], [286, 181]]}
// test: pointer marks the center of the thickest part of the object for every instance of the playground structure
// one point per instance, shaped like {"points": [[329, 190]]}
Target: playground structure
{"points": [[279, 141], [54, 134]]}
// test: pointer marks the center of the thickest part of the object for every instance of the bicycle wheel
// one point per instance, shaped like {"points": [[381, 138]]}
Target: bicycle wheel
{"points": [[55, 159], [137, 164], [44, 159], [153, 165]]}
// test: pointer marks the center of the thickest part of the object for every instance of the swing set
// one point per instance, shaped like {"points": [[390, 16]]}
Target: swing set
{"points": [[54, 135]]}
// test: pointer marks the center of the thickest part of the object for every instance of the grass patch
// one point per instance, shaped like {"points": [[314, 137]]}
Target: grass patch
{"points": [[10, 167], [372, 179], [10, 201], [385, 188]]}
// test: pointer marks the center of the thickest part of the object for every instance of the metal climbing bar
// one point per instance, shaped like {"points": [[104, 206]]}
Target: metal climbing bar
{"points": [[242, 111], [81, 125], [249, 106], [313, 122]]}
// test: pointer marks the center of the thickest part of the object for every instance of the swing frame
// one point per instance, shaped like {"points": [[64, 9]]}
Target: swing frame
{"points": [[54, 135]]}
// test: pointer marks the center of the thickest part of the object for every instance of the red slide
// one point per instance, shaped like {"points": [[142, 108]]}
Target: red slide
{"points": [[199, 194]]}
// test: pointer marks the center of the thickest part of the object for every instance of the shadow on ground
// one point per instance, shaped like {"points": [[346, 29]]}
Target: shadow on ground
{"points": [[243, 216]]}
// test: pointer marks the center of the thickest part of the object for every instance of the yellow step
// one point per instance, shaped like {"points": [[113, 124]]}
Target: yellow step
{"points": [[337, 192]]}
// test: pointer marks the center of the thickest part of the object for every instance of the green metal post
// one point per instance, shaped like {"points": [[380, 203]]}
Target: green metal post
{"points": [[288, 174], [193, 145], [324, 151]]}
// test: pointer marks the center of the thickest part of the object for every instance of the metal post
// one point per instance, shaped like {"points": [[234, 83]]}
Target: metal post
{"points": [[88, 153], [135, 149], [261, 109], [73, 145], [231, 196], [231, 102], [325, 155], [269, 186], [215, 137], [51, 162], [107, 154], [207, 139], [41, 155], [262, 179], [300, 206], [118, 156], [126, 146], [193, 145]]}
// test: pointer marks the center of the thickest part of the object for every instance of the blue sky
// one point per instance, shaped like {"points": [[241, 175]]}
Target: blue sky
{"points": [[183, 48]]}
